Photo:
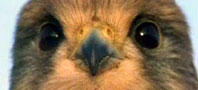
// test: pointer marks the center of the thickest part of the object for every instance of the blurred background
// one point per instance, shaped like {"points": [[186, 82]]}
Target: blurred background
{"points": [[9, 11]]}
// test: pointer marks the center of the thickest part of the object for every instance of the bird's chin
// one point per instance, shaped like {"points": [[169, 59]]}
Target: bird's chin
{"points": [[122, 75]]}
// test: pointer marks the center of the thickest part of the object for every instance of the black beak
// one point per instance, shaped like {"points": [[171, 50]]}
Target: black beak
{"points": [[94, 50]]}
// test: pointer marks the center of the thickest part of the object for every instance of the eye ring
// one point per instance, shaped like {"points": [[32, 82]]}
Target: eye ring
{"points": [[147, 34], [50, 36]]}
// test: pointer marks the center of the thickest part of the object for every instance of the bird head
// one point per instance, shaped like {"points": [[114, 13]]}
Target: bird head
{"points": [[102, 45]]}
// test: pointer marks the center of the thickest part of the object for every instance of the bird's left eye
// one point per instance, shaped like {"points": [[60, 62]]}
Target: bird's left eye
{"points": [[50, 37]]}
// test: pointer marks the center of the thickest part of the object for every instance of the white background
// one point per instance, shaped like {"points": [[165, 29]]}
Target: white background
{"points": [[9, 10]]}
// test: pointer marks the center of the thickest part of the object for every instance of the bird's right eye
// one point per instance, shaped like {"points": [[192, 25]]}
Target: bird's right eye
{"points": [[51, 36], [147, 35]]}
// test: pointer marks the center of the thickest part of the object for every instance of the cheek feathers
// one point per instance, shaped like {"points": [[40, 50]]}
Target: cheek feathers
{"points": [[127, 76]]}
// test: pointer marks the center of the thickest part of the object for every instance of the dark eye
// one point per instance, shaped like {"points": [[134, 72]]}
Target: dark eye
{"points": [[51, 36], [147, 35]]}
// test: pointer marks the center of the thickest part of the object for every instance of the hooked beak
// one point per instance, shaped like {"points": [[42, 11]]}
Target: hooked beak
{"points": [[94, 50]]}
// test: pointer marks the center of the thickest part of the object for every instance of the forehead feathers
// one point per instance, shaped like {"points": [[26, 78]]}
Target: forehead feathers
{"points": [[118, 13], [79, 12]]}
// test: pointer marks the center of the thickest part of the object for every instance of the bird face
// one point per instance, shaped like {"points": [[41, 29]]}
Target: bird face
{"points": [[100, 45], [95, 55]]}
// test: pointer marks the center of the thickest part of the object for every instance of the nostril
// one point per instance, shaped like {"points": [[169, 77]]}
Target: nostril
{"points": [[81, 32], [109, 32]]}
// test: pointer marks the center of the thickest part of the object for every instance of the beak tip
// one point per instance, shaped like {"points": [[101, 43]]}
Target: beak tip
{"points": [[94, 70], [93, 73]]}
